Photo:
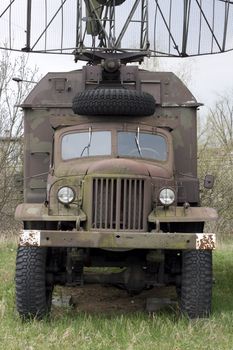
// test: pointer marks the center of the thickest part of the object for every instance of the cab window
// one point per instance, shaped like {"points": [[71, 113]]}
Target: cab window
{"points": [[142, 145], [86, 144]]}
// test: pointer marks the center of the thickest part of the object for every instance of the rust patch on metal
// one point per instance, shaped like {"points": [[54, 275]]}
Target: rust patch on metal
{"points": [[205, 241], [29, 238]]}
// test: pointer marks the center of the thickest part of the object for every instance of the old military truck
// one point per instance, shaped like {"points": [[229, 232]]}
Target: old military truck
{"points": [[111, 181]]}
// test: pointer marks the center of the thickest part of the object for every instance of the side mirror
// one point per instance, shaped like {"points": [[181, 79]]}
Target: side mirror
{"points": [[209, 182]]}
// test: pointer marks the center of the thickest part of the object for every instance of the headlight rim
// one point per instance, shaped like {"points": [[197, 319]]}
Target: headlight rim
{"points": [[167, 188], [71, 201]]}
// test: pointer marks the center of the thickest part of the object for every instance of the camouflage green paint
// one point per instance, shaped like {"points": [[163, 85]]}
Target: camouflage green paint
{"points": [[48, 108], [39, 212], [118, 240], [180, 214]]}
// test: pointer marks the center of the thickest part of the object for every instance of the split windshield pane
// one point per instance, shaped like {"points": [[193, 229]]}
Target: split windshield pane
{"points": [[142, 145], [86, 144]]}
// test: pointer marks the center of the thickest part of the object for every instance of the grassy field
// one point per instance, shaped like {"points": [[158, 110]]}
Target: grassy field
{"points": [[69, 329]]}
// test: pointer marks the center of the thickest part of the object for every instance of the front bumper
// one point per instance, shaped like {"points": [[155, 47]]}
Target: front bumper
{"points": [[117, 240]]}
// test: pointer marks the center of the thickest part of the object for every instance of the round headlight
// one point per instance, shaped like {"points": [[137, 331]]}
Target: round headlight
{"points": [[167, 196], [65, 195]]}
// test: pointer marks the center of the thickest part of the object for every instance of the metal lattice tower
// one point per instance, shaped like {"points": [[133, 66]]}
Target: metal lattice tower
{"points": [[131, 29]]}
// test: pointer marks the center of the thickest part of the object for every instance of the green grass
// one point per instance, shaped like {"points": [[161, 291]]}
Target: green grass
{"points": [[69, 329]]}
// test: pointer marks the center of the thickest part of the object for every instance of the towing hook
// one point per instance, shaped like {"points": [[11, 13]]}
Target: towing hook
{"points": [[157, 226], [186, 205]]}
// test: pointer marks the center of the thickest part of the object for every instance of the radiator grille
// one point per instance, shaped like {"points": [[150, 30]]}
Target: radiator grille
{"points": [[118, 204]]}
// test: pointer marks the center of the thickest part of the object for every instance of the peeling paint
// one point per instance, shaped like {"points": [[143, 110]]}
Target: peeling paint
{"points": [[29, 238], [112, 240], [205, 241]]}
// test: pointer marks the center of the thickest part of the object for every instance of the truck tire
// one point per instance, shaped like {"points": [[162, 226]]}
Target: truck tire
{"points": [[106, 101], [33, 294], [196, 283]]}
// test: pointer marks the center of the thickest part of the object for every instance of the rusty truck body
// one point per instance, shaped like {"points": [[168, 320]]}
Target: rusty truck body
{"points": [[111, 181]]}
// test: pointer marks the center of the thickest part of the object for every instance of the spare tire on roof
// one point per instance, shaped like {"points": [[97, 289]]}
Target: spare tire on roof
{"points": [[113, 101]]}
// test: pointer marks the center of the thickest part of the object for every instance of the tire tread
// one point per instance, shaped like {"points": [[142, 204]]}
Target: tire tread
{"points": [[31, 301], [114, 101], [196, 283]]}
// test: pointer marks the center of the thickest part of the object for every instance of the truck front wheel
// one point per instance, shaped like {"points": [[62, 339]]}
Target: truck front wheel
{"points": [[195, 292], [33, 292]]}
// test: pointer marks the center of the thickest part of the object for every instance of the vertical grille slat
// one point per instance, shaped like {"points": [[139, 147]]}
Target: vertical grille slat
{"points": [[111, 205], [118, 204], [106, 204], [101, 202], [140, 201], [124, 203], [129, 203], [95, 187], [135, 204]]}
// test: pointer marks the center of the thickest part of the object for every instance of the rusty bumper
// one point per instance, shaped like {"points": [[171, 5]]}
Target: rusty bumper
{"points": [[117, 240]]}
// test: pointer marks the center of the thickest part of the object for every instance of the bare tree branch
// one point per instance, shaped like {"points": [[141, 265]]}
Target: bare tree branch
{"points": [[216, 157], [11, 126]]}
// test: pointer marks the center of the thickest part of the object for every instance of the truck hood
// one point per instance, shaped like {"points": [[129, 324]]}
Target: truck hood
{"points": [[113, 166]]}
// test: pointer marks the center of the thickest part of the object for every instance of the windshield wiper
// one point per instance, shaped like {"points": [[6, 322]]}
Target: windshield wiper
{"points": [[87, 147], [138, 143]]}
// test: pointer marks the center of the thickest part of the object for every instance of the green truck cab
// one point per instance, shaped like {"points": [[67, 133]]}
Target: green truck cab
{"points": [[111, 181]]}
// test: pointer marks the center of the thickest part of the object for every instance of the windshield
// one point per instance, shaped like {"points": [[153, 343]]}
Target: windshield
{"points": [[86, 144], [142, 145]]}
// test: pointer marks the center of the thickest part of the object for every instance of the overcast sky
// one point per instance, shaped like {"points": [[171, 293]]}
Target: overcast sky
{"points": [[212, 75]]}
